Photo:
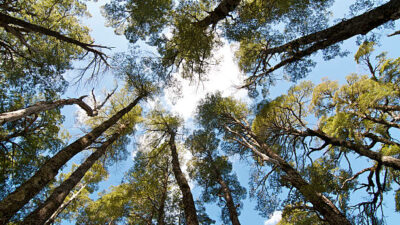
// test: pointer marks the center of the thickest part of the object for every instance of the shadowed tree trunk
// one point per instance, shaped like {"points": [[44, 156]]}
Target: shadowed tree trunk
{"points": [[161, 208], [360, 149], [63, 206], [230, 204], [45, 210], [320, 202], [24, 193], [361, 24], [189, 207], [6, 21], [219, 13]]}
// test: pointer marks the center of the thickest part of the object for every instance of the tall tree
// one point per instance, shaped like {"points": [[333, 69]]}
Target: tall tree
{"points": [[54, 201], [357, 118], [80, 195], [167, 126], [252, 24], [214, 173], [14, 201], [229, 118], [144, 196]]}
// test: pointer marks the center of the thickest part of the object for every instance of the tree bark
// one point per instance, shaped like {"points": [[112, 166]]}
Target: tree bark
{"points": [[6, 20], [388, 161], [361, 24], [21, 196], [44, 106], [230, 204], [346, 29], [161, 208], [189, 207], [45, 210], [219, 13], [319, 201], [63, 206]]}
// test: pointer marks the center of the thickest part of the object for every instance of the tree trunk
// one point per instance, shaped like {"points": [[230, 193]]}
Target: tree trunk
{"points": [[63, 206], [21, 196], [45, 210], [387, 161], [219, 13], [230, 204], [6, 20], [319, 201], [43, 106], [161, 208], [361, 24], [188, 203]]}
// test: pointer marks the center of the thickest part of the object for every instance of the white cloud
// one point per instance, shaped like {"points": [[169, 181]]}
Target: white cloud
{"points": [[274, 219], [225, 77]]}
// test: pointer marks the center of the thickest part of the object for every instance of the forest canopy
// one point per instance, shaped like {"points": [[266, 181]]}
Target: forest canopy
{"points": [[317, 153]]}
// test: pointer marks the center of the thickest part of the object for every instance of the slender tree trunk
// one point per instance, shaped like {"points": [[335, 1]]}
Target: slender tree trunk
{"points": [[230, 204], [21, 196], [6, 20], [45, 210], [189, 207], [44, 106], [319, 201], [161, 209], [64, 205], [387, 161]]}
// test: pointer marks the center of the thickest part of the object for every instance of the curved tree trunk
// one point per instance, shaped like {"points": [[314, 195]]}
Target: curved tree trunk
{"points": [[189, 207], [320, 202], [230, 204], [45, 210], [44, 106], [387, 161], [24, 193]]}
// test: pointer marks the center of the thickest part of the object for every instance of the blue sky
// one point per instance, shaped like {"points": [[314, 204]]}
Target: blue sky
{"points": [[223, 77]]}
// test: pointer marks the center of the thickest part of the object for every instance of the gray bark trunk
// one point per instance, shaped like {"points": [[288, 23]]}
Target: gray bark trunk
{"points": [[44, 211], [189, 207], [21, 196]]}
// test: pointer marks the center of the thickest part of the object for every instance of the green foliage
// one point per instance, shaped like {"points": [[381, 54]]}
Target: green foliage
{"points": [[125, 126], [299, 217], [25, 145], [31, 71], [359, 112], [139, 19], [33, 59]]}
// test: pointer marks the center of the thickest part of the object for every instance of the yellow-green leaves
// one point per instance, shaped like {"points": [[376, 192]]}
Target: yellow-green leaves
{"points": [[285, 112], [364, 51]]}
